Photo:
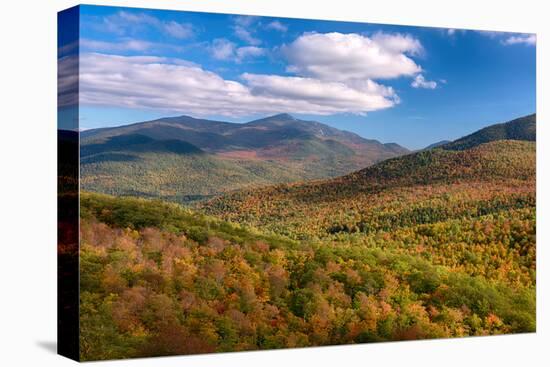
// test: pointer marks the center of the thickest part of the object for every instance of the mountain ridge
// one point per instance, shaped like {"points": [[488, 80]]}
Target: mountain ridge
{"points": [[187, 122], [521, 128], [187, 157]]}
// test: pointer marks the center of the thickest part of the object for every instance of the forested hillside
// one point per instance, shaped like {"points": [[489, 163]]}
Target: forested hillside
{"points": [[424, 187], [448, 207], [158, 279], [523, 128]]}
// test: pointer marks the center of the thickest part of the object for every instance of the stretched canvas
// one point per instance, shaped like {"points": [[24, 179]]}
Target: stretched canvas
{"points": [[234, 183]]}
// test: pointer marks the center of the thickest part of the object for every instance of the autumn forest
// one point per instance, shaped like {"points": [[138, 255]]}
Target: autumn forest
{"points": [[306, 245]]}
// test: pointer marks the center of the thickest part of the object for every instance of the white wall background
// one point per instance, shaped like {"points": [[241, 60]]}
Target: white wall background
{"points": [[28, 182]]}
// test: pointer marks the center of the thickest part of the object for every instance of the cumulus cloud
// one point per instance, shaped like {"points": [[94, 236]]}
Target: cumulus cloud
{"points": [[177, 85], [332, 73], [277, 26], [420, 82], [342, 57], [396, 43], [526, 39], [329, 97]]}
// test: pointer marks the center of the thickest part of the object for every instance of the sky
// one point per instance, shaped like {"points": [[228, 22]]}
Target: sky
{"points": [[409, 85]]}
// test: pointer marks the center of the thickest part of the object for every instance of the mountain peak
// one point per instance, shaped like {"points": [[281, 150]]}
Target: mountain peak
{"points": [[282, 116], [278, 119]]}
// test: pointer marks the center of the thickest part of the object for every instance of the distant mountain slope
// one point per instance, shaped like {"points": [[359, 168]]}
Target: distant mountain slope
{"points": [[523, 128], [437, 144], [500, 171], [137, 143], [182, 157]]}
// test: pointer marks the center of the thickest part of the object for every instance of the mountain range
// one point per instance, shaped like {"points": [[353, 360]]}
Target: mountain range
{"points": [[185, 159], [259, 136]]}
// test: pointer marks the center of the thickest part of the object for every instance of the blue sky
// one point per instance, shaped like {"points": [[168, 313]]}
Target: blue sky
{"points": [[409, 85]]}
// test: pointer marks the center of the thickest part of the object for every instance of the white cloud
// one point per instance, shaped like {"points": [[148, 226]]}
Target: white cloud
{"points": [[328, 97], [509, 39], [452, 32], [403, 44], [491, 34], [245, 35], [277, 26], [249, 51], [126, 44], [177, 85], [134, 17], [526, 39], [223, 49], [245, 20], [99, 45], [123, 22], [420, 82], [128, 23], [341, 57], [243, 29], [178, 30]]}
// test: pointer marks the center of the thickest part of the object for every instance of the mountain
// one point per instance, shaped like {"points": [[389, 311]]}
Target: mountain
{"points": [[186, 159], [501, 172], [523, 128], [418, 188], [259, 137]]}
